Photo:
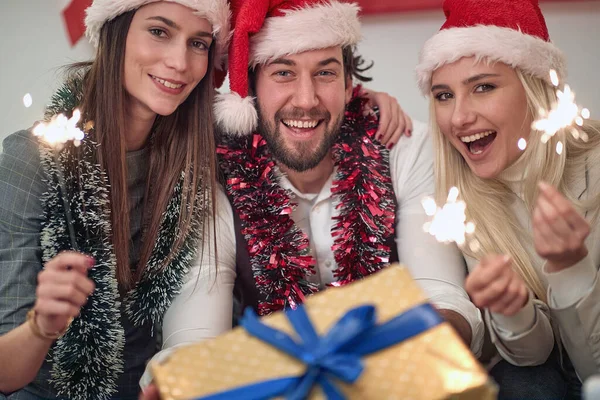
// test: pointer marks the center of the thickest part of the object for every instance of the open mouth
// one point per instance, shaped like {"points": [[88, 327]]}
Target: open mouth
{"points": [[479, 142]]}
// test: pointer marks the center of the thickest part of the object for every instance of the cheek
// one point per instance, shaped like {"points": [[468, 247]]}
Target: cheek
{"points": [[443, 118], [334, 99]]}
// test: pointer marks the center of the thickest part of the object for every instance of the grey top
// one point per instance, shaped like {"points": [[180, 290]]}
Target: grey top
{"points": [[21, 187]]}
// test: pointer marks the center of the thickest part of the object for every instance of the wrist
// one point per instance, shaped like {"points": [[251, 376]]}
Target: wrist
{"points": [[460, 325], [41, 333], [552, 267]]}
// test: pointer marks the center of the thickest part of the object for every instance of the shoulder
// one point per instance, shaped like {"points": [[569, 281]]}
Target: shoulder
{"points": [[414, 150], [22, 144], [20, 157], [22, 180]]}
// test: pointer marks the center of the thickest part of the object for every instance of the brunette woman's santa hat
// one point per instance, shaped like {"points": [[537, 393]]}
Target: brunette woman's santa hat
{"points": [[510, 31], [267, 29], [215, 11]]}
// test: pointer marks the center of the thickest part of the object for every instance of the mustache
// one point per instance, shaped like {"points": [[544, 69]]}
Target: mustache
{"points": [[298, 113]]}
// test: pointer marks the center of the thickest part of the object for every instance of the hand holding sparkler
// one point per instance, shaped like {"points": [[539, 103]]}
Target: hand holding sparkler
{"points": [[495, 285], [559, 232], [63, 288]]}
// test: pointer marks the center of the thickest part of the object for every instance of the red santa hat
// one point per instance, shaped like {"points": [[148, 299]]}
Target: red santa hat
{"points": [[510, 31], [267, 29], [215, 11]]}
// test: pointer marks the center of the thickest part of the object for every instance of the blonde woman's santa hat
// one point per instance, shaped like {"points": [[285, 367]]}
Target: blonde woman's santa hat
{"points": [[264, 30], [510, 31], [215, 11]]}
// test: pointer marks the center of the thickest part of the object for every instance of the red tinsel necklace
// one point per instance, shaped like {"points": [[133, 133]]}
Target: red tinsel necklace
{"points": [[278, 249]]}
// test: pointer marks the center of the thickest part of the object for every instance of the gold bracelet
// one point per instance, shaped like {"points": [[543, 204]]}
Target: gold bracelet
{"points": [[37, 331]]}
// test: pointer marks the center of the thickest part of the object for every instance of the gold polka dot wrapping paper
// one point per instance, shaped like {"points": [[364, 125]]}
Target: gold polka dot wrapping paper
{"points": [[433, 365]]}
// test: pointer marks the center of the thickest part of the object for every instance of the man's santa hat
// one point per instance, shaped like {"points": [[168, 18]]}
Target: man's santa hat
{"points": [[215, 11], [510, 31], [268, 29]]}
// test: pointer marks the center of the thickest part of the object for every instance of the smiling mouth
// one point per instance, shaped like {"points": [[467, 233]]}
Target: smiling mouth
{"points": [[477, 143], [165, 83], [301, 124]]}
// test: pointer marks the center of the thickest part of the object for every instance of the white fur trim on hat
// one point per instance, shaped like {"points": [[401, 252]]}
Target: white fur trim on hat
{"points": [[321, 26], [529, 53], [215, 11], [235, 115]]}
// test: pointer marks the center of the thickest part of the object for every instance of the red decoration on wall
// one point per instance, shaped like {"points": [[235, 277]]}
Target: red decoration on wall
{"points": [[74, 15], [388, 6]]}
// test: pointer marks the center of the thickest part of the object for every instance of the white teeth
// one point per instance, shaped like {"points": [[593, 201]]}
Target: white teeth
{"points": [[301, 124], [477, 136], [167, 83], [477, 152]]}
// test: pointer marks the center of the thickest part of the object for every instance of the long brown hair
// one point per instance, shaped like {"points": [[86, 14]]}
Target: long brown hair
{"points": [[181, 143]]}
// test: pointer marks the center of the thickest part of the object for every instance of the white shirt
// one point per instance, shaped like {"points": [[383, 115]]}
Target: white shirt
{"points": [[204, 307]]}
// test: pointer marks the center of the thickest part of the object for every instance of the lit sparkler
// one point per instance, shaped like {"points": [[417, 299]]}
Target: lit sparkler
{"points": [[565, 114], [56, 133], [449, 222]]}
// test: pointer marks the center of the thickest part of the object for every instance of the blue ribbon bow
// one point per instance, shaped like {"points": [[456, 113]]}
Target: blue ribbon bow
{"points": [[335, 355]]}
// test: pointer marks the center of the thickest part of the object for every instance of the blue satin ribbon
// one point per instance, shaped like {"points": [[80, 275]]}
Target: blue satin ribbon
{"points": [[337, 355]]}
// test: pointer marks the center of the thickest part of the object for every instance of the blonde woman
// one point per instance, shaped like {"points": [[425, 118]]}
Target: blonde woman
{"points": [[487, 73]]}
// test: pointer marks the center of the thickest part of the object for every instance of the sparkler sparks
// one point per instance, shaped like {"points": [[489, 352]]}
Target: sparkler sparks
{"points": [[564, 114], [60, 130], [449, 222], [27, 100], [56, 133]]}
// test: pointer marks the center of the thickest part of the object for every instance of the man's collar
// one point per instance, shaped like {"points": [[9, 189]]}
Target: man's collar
{"points": [[324, 193]]}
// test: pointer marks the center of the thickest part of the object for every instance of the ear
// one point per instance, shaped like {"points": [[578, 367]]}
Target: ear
{"points": [[349, 89]]}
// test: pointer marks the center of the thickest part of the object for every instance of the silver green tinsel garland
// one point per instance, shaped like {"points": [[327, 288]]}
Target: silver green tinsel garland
{"points": [[88, 359]]}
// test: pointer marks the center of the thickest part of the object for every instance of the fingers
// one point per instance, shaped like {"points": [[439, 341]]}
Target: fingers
{"points": [[488, 281], [515, 296], [150, 393], [71, 260], [559, 231], [63, 292], [558, 208], [409, 125], [56, 308], [72, 279], [493, 284]]}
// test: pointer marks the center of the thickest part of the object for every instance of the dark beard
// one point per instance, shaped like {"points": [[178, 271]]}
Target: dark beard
{"points": [[300, 158]]}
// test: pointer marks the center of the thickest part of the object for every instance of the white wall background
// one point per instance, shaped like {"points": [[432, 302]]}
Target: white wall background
{"points": [[34, 46]]}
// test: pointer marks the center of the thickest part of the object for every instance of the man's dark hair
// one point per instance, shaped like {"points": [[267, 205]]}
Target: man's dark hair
{"points": [[354, 65]]}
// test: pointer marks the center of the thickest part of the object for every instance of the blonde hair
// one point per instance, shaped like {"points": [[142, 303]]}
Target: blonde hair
{"points": [[488, 200]]}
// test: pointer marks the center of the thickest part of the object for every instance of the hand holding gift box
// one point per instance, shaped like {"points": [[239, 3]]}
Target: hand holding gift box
{"points": [[373, 339]]}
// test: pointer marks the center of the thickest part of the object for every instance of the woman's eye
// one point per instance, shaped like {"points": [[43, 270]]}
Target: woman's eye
{"points": [[157, 32], [443, 96], [484, 87], [198, 44]]}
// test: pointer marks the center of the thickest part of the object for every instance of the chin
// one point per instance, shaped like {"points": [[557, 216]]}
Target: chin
{"points": [[165, 110], [485, 173]]}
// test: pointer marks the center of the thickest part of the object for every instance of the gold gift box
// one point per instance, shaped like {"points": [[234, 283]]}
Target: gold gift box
{"points": [[432, 365]]}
